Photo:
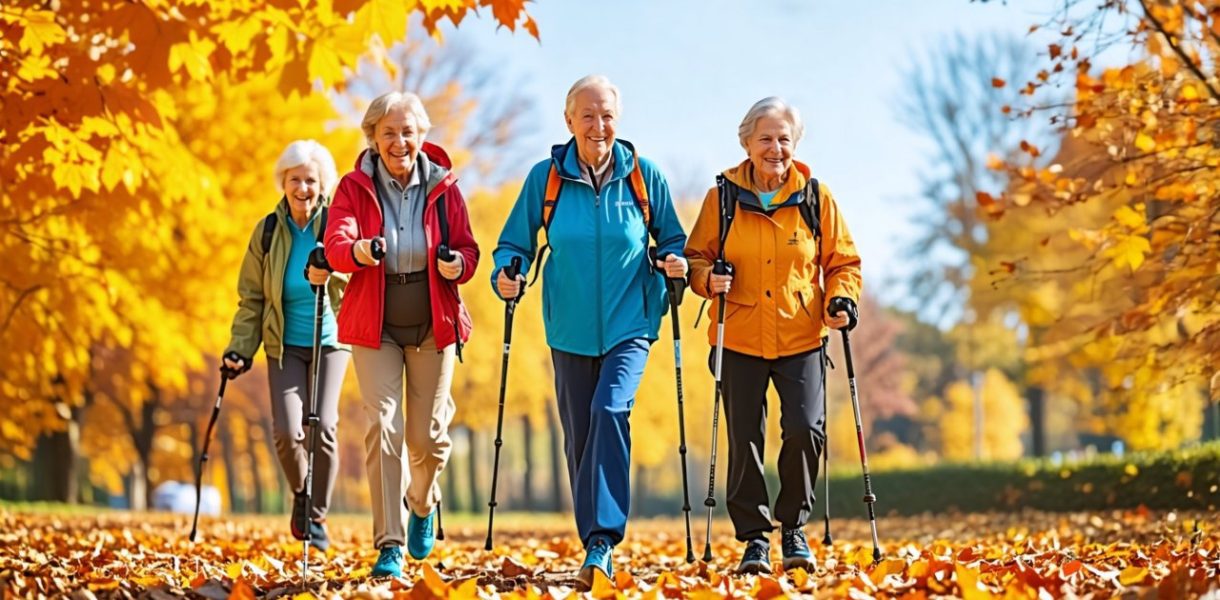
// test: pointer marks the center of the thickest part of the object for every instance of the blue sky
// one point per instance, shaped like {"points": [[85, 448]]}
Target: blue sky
{"points": [[688, 71]]}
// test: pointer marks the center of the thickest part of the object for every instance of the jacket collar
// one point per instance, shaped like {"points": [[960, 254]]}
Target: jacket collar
{"points": [[792, 192], [566, 158]]}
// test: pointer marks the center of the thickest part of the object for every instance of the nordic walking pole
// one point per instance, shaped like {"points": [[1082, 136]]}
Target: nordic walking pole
{"points": [[826, 539], [718, 268], [510, 306], [837, 305], [317, 260], [675, 286], [225, 375]]}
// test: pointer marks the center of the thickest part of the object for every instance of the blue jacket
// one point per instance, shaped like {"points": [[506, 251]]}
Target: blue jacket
{"points": [[598, 288]]}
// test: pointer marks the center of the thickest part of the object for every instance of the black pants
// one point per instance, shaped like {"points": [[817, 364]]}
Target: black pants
{"points": [[800, 382]]}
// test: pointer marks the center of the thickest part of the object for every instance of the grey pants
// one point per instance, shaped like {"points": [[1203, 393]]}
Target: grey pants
{"points": [[802, 394], [290, 389]]}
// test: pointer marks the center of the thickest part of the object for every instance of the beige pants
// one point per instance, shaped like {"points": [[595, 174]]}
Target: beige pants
{"points": [[425, 432]]}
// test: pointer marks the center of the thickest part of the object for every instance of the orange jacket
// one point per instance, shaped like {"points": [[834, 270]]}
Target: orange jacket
{"points": [[776, 304]]}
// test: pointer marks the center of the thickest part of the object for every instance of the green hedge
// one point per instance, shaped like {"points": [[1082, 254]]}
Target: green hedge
{"points": [[1182, 479]]}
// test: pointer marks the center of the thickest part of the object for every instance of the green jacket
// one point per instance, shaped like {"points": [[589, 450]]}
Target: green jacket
{"points": [[260, 289]]}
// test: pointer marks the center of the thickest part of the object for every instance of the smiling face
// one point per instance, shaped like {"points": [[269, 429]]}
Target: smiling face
{"points": [[302, 187], [398, 140], [770, 147], [593, 121]]}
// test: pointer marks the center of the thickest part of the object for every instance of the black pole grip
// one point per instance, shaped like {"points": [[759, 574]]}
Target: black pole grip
{"points": [[839, 304], [514, 268], [377, 248], [443, 253], [317, 258]]}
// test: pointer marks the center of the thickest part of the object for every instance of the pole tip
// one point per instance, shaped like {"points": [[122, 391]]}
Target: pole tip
{"points": [[487, 544], [707, 554], [876, 554], [827, 540], [690, 555]]}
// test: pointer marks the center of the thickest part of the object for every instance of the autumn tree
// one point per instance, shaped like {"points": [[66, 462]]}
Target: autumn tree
{"points": [[92, 155], [1145, 295]]}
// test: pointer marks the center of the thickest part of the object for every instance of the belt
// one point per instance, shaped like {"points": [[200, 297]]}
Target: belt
{"points": [[404, 278]]}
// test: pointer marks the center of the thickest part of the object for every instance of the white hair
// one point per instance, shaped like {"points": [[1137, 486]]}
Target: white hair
{"points": [[303, 152], [587, 82], [387, 102], [771, 106]]}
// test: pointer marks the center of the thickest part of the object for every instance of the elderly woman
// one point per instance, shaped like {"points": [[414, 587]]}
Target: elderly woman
{"points": [[793, 262], [599, 202], [399, 226], [276, 309]]}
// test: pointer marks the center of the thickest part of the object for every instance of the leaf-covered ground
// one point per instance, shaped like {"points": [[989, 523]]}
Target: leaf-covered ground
{"points": [[1036, 555]]}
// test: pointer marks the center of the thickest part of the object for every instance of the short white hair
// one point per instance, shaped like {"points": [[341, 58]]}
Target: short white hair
{"points": [[303, 152], [587, 82], [773, 106], [387, 102]]}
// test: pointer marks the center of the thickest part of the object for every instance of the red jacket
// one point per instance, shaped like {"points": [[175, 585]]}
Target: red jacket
{"points": [[355, 214]]}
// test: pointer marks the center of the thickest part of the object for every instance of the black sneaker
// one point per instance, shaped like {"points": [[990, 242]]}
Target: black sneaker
{"points": [[300, 520], [796, 551], [756, 558]]}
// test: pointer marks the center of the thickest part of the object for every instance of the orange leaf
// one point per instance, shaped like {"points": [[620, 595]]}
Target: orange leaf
{"points": [[241, 591], [602, 588]]}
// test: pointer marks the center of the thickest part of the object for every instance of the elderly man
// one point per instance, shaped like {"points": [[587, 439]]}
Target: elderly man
{"points": [[599, 203]]}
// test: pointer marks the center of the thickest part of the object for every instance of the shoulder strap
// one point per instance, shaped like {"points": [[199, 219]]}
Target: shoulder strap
{"points": [[640, 191], [811, 208], [553, 183], [727, 197], [269, 224], [322, 223], [442, 216]]}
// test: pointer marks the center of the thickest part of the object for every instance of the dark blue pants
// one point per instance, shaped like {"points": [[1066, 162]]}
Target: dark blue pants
{"points": [[595, 395]]}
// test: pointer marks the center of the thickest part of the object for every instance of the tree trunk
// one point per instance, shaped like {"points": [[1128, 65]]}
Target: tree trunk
{"points": [[558, 472], [527, 487], [142, 435], [137, 491], [1037, 420], [451, 490], [472, 473], [57, 458]]}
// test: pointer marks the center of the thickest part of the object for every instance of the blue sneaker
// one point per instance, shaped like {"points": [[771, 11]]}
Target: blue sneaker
{"points": [[599, 555], [421, 535], [389, 563], [756, 558], [796, 551]]}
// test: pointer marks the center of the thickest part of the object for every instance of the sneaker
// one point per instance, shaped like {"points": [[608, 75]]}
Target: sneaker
{"points": [[389, 562], [318, 538], [756, 558], [421, 535], [300, 520], [599, 556], [796, 551]]}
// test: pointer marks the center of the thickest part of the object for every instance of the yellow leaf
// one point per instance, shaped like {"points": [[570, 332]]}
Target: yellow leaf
{"points": [[385, 18], [602, 588], [233, 570], [1132, 575], [326, 64], [968, 582], [36, 67], [1145, 142], [40, 31], [1129, 217], [1130, 251]]}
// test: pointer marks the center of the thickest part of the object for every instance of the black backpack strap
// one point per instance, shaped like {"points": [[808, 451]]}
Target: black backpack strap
{"points": [[322, 224], [443, 216], [269, 223], [811, 208]]}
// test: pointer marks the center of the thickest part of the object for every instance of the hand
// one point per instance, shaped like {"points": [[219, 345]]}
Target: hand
{"points": [[509, 288], [364, 253], [234, 364], [719, 284], [316, 276], [674, 266], [840, 313], [450, 270]]}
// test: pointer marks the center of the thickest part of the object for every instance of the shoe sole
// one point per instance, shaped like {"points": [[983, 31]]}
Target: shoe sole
{"points": [[586, 576], [753, 568], [799, 562]]}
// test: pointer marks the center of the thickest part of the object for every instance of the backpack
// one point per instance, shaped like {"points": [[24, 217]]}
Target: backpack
{"points": [[550, 201], [270, 221]]}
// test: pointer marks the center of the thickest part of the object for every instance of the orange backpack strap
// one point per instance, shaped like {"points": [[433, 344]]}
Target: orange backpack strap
{"points": [[553, 183], [640, 191]]}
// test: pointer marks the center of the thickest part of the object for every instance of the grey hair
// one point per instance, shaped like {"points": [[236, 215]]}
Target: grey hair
{"points": [[771, 106], [303, 152], [388, 102], [592, 81]]}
